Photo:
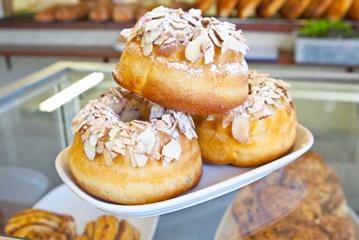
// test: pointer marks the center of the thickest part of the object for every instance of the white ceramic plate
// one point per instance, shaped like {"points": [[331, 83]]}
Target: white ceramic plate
{"points": [[228, 224], [62, 200], [216, 181]]}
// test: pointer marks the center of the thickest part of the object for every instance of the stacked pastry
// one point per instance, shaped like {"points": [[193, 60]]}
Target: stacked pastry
{"points": [[139, 145]]}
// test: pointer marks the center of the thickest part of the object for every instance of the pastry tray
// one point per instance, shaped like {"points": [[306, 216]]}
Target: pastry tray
{"points": [[217, 180]]}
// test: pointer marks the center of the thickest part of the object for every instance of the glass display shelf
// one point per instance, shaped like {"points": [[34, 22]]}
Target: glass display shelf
{"points": [[35, 126]]}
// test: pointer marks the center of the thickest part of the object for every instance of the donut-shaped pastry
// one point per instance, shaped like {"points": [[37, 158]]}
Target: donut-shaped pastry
{"points": [[338, 9], [247, 8], [184, 62], [269, 8], [127, 150], [259, 131], [294, 9]]}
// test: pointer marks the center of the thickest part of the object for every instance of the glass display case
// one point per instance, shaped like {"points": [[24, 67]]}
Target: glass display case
{"points": [[36, 114]]}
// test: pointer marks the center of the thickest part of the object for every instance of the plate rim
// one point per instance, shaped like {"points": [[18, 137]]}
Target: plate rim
{"points": [[186, 200]]}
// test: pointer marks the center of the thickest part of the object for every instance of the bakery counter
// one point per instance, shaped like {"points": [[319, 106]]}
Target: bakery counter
{"points": [[307, 199]]}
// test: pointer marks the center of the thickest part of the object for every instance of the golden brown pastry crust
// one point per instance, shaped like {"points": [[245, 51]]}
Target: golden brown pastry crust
{"points": [[38, 224], [293, 9], [121, 183], [269, 137], [177, 88], [354, 10], [269, 8], [338, 9], [317, 8], [225, 7], [247, 8], [109, 227]]}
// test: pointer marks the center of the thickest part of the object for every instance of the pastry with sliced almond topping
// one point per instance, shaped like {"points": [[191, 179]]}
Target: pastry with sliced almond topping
{"points": [[128, 150], [186, 62], [260, 130]]}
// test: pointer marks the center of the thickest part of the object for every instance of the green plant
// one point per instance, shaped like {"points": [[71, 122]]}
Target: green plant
{"points": [[328, 29]]}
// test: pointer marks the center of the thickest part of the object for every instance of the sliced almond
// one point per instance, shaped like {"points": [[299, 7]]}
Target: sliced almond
{"points": [[140, 159], [90, 151], [193, 50], [240, 129], [147, 49], [153, 24], [151, 36], [214, 38], [92, 140], [208, 49], [148, 138], [156, 111], [125, 34], [172, 150], [230, 43], [179, 25]]}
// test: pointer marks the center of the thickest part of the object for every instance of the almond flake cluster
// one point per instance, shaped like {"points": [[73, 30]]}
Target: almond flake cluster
{"points": [[103, 131], [169, 28], [265, 94]]}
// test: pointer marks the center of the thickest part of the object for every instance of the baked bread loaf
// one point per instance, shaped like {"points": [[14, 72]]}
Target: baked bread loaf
{"points": [[184, 62], [293, 9], [302, 201], [35, 224], [109, 227], [260, 130], [317, 8], [46, 15], [225, 7], [67, 13], [129, 151], [269, 8], [124, 12], [354, 10], [338, 9], [247, 8]]}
